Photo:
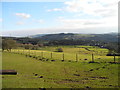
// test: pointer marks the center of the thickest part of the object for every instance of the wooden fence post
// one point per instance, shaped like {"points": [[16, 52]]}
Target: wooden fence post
{"points": [[92, 57], [35, 53], [51, 54], [114, 57], [76, 57], [26, 52], [63, 56], [42, 54]]}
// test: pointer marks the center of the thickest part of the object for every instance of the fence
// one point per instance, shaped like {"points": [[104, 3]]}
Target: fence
{"points": [[78, 57]]}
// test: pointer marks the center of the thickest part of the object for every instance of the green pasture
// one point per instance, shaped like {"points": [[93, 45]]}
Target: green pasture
{"points": [[71, 53], [57, 74], [78, 49]]}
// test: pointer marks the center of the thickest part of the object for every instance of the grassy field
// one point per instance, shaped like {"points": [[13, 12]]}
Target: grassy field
{"points": [[71, 53], [78, 49], [34, 73]]}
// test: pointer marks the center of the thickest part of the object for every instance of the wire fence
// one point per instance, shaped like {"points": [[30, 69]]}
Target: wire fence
{"points": [[77, 57]]}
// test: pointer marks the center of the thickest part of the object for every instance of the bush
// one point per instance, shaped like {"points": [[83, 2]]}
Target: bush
{"points": [[35, 47], [28, 46], [59, 50]]}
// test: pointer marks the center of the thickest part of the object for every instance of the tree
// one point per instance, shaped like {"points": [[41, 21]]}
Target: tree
{"points": [[40, 44], [28, 46], [35, 47], [113, 47], [8, 44]]}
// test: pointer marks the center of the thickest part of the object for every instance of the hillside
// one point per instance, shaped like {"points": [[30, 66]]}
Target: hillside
{"points": [[71, 36], [38, 35]]}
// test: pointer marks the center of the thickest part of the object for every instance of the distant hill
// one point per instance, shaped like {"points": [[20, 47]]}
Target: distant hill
{"points": [[35, 36], [110, 37], [61, 36], [45, 38]]}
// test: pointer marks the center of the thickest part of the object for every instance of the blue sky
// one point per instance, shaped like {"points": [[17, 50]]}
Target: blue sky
{"points": [[37, 11], [88, 16]]}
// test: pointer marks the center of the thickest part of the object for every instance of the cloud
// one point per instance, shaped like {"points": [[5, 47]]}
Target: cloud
{"points": [[55, 9], [41, 21], [23, 15], [103, 13], [20, 23], [92, 7], [92, 23], [1, 19], [87, 23]]}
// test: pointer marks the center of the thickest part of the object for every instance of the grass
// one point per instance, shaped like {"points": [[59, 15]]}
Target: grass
{"points": [[57, 74], [78, 49], [83, 54]]}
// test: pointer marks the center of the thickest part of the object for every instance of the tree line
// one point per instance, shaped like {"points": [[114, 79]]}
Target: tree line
{"points": [[35, 44]]}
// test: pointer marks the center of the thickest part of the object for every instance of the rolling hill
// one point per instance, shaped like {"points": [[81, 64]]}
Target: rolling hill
{"points": [[110, 37]]}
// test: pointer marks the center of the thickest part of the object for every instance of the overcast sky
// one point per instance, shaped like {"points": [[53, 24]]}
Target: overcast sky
{"points": [[77, 16]]}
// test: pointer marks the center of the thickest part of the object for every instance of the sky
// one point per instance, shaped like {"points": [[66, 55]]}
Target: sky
{"points": [[70, 16]]}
